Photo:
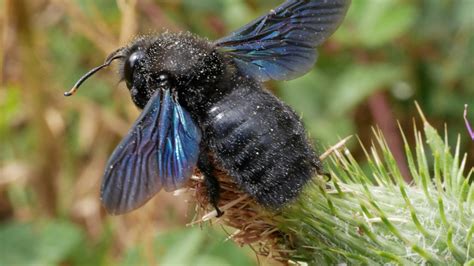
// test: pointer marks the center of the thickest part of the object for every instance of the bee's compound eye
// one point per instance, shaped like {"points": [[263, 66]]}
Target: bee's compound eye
{"points": [[131, 64]]}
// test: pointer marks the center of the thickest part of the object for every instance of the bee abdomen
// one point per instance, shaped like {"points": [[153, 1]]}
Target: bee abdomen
{"points": [[262, 144]]}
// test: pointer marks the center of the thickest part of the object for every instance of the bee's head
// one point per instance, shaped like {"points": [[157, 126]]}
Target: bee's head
{"points": [[178, 61]]}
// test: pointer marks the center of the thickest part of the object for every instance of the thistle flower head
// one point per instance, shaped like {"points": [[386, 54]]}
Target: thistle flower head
{"points": [[365, 214]]}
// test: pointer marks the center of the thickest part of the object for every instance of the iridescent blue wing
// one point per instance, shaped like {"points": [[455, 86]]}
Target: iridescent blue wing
{"points": [[281, 45], [179, 150], [160, 151]]}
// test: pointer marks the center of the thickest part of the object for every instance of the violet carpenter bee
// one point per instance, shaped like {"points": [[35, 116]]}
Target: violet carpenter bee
{"points": [[204, 106]]}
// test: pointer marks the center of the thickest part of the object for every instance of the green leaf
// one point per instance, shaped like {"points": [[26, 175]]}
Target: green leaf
{"points": [[197, 246], [133, 256], [183, 251], [207, 260], [375, 23], [28, 244], [360, 81]]}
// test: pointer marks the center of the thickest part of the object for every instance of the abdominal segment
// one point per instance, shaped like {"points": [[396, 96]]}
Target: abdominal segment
{"points": [[262, 144]]}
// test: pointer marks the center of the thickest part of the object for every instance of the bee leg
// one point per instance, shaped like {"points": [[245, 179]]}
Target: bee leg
{"points": [[213, 190], [212, 184], [320, 170]]}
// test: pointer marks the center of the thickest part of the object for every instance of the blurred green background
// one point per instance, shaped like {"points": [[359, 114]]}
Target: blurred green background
{"points": [[386, 55]]}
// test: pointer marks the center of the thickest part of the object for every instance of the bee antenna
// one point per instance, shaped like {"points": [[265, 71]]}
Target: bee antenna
{"points": [[108, 61]]}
